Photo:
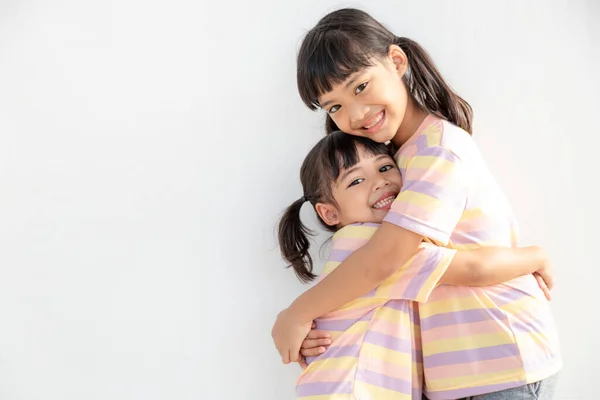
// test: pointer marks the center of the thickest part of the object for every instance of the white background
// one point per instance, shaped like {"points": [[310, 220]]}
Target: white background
{"points": [[147, 149]]}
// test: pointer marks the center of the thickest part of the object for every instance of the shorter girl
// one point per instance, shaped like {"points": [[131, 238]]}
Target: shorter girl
{"points": [[351, 183]]}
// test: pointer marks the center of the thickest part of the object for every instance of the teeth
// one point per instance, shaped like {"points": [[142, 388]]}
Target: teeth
{"points": [[375, 122], [384, 202]]}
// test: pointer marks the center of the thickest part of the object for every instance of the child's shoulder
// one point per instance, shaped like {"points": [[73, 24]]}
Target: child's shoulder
{"points": [[356, 231], [434, 133]]}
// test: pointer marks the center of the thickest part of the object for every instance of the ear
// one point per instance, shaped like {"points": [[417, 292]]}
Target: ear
{"points": [[328, 213], [398, 58]]}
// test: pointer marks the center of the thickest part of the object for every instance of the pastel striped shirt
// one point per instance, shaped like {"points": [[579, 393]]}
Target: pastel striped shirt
{"points": [[375, 351], [474, 340]]}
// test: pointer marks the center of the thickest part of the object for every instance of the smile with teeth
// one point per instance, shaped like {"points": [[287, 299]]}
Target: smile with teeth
{"points": [[384, 202], [375, 121]]}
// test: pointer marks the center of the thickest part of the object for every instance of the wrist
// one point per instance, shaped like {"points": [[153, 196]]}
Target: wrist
{"points": [[295, 314]]}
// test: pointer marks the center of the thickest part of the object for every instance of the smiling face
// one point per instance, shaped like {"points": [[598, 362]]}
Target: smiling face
{"points": [[363, 192], [371, 102]]}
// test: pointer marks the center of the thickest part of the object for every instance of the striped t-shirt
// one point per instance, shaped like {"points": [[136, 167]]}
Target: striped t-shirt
{"points": [[474, 340], [375, 351]]}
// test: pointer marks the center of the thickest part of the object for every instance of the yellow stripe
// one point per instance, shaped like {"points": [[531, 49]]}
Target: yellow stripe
{"points": [[365, 391], [467, 343], [394, 316], [433, 134], [432, 163], [456, 304], [518, 306], [345, 363], [471, 213], [369, 350], [330, 266], [470, 381], [423, 200]]}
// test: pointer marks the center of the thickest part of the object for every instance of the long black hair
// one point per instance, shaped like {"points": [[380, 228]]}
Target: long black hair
{"points": [[346, 41]]}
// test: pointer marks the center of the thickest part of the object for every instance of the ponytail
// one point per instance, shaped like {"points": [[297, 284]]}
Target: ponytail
{"points": [[429, 88], [294, 242]]}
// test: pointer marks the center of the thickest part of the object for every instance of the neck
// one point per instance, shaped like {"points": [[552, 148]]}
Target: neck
{"points": [[413, 117]]}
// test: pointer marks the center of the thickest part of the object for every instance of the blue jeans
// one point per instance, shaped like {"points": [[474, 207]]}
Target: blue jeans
{"points": [[542, 390]]}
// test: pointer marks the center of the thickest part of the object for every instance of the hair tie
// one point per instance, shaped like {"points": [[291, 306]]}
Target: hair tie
{"points": [[304, 199]]}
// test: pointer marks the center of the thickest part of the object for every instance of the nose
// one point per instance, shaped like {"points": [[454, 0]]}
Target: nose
{"points": [[357, 112], [381, 182]]}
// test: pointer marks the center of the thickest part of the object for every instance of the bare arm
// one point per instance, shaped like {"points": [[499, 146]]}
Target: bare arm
{"points": [[491, 265], [361, 272]]}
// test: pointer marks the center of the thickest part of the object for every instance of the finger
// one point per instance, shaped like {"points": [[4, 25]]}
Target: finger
{"points": [[310, 343], [295, 353], [542, 284], [285, 357], [315, 334], [303, 364], [314, 325], [314, 352]]}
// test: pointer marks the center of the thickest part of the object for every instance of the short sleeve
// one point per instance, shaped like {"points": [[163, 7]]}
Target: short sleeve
{"points": [[433, 195], [416, 279]]}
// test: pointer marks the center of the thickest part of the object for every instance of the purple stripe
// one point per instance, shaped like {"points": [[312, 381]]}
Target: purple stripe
{"points": [[462, 317], [320, 388], [539, 324], [509, 295], [453, 197], [471, 356], [473, 391], [432, 261], [339, 255], [398, 305], [384, 381], [436, 151], [341, 351], [340, 325], [388, 341], [422, 144]]}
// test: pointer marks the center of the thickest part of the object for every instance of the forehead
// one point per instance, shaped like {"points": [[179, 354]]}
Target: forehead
{"points": [[347, 84]]}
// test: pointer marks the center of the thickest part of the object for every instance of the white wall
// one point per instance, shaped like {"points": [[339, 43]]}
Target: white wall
{"points": [[147, 148]]}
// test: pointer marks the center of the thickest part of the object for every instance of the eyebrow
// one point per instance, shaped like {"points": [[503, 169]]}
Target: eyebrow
{"points": [[351, 170], [346, 86]]}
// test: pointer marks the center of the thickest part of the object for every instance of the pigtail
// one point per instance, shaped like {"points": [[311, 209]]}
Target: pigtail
{"points": [[430, 89], [294, 242]]}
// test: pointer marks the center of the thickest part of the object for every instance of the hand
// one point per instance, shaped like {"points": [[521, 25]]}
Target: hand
{"points": [[545, 279], [288, 334], [315, 343]]}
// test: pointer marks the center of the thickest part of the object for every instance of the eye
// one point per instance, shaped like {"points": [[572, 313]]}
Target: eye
{"points": [[360, 88], [355, 182], [386, 168], [333, 109]]}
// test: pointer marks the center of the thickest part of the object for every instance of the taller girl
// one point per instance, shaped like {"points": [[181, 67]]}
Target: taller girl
{"points": [[491, 342]]}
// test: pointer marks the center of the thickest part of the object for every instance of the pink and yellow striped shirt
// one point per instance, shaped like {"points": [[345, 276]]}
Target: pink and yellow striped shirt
{"points": [[375, 352], [474, 340]]}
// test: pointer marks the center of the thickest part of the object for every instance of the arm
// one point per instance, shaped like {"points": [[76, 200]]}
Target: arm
{"points": [[430, 205], [490, 265], [360, 273]]}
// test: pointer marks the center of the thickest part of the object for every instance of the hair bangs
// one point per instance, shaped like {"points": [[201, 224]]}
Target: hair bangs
{"points": [[342, 152], [327, 58]]}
